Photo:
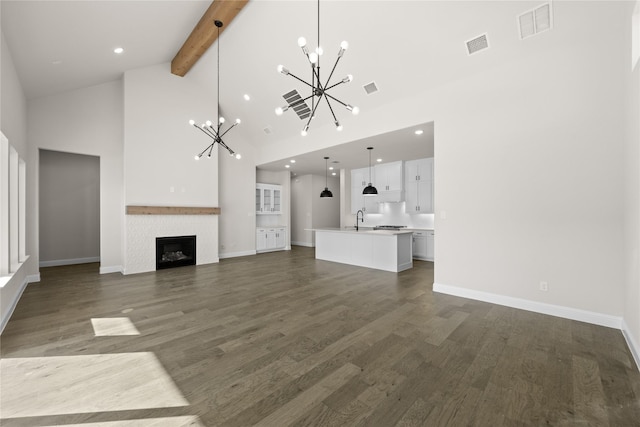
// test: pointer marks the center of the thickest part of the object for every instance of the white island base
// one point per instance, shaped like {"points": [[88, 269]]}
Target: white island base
{"points": [[379, 249]]}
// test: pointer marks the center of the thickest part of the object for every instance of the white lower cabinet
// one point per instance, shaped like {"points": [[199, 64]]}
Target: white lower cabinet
{"points": [[271, 239], [423, 245]]}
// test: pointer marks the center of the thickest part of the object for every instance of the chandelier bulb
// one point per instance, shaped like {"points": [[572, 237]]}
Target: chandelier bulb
{"points": [[192, 122], [283, 70], [279, 111], [221, 119], [238, 156], [313, 58], [304, 131], [302, 42], [209, 155], [347, 79], [238, 121], [207, 123], [344, 45], [319, 50], [197, 157], [338, 126], [355, 111]]}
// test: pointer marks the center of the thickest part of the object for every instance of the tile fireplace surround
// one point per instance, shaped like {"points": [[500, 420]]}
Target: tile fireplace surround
{"points": [[144, 223]]}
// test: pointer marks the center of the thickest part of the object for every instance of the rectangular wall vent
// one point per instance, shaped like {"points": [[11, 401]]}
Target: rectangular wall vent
{"points": [[477, 44], [370, 88], [535, 21], [301, 108]]}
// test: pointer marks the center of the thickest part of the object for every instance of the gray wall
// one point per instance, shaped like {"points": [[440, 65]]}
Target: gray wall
{"points": [[309, 210], [69, 208]]}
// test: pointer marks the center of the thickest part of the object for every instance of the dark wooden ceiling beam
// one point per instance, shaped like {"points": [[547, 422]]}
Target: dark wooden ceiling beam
{"points": [[204, 34]]}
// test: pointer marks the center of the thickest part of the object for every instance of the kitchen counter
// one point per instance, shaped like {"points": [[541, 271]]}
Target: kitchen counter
{"points": [[389, 250]]}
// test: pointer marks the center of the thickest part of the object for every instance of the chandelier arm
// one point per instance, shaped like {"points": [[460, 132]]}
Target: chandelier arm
{"points": [[334, 85], [313, 112], [212, 132], [335, 119], [332, 70], [226, 131], [204, 130], [335, 99], [299, 79], [221, 142], [205, 150], [313, 87], [210, 151]]}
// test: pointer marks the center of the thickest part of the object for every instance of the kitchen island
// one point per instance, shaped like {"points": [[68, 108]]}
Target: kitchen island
{"points": [[389, 250]]}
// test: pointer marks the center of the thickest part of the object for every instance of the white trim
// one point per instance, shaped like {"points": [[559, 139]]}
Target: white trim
{"points": [[307, 244], [70, 261], [236, 254], [634, 347], [14, 303], [538, 307], [111, 269]]}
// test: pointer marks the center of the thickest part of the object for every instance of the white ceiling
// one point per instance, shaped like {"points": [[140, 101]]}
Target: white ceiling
{"points": [[403, 46]]}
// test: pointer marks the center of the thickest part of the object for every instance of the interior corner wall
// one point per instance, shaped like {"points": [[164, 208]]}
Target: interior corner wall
{"points": [[85, 121], [301, 208], [325, 210]]}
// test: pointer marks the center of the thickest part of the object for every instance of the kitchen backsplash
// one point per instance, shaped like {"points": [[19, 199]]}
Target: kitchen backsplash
{"points": [[394, 214]]}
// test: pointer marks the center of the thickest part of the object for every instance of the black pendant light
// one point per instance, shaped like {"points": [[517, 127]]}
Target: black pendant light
{"points": [[326, 192], [370, 190]]}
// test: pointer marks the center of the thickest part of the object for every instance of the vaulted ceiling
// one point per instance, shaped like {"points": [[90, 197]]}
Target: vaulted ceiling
{"points": [[402, 46]]}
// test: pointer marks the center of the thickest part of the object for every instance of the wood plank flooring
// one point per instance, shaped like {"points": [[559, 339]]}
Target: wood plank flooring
{"points": [[281, 339]]}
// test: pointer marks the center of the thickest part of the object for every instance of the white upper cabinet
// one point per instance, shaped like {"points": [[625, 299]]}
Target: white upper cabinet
{"points": [[389, 181], [268, 199], [359, 180], [419, 186]]}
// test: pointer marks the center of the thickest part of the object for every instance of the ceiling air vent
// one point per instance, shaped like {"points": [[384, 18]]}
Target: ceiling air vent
{"points": [[268, 130], [370, 88], [477, 44], [535, 21], [301, 108]]}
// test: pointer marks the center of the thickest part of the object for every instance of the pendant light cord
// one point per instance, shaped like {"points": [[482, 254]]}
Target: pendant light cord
{"points": [[218, 104]]}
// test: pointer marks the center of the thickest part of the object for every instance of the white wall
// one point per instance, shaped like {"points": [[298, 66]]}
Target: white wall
{"points": [[13, 124], [325, 211], [87, 121], [632, 199], [69, 208]]}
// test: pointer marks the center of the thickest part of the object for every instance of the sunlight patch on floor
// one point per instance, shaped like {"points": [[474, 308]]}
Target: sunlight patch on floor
{"points": [[113, 326], [39, 386]]}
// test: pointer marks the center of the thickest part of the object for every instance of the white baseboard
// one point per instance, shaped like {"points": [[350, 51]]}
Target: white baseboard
{"points": [[236, 254], [14, 303], [537, 307], [634, 346], [71, 261], [307, 244], [111, 269], [33, 278]]}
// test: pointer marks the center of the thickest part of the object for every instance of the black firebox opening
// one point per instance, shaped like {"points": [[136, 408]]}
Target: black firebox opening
{"points": [[175, 251]]}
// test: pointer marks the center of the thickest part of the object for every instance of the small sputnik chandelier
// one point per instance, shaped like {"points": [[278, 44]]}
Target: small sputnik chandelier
{"points": [[215, 132], [318, 89]]}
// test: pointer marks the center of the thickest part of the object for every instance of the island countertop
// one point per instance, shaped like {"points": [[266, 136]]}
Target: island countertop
{"points": [[364, 230]]}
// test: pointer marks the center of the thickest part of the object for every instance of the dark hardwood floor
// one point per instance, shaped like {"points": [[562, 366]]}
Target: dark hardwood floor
{"points": [[281, 339]]}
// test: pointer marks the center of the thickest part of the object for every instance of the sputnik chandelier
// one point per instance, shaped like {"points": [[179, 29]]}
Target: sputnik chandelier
{"points": [[318, 89], [208, 127]]}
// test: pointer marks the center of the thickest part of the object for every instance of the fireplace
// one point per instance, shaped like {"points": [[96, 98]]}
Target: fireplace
{"points": [[175, 251]]}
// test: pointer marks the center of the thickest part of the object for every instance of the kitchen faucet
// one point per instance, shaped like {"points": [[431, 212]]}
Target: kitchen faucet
{"points": [[357, 216]]}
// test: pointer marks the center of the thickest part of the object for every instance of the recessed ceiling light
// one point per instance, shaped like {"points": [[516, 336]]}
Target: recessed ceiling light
{"points": [[378, 160], [118, 50], [333, 173], [330, 168], [292, 161], [287, 166], [419, 132], [247, 97]]}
